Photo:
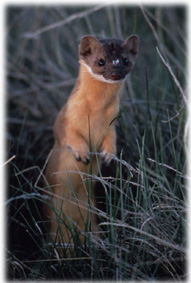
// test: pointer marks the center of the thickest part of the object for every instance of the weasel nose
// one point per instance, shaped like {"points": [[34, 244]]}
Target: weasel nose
{"points": [[115, 76]]}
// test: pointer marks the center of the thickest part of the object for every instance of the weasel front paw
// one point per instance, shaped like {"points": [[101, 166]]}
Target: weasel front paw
{"points": [[106, 157], [82, 156]]}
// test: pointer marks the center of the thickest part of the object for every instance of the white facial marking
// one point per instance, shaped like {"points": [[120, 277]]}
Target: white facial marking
{"points": [[116, 62], [100, 77]]}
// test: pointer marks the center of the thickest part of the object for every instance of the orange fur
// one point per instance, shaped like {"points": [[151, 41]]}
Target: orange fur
{"points": [[82, 126]]}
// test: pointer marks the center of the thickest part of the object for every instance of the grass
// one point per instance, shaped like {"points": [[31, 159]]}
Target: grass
{"points": [[141, 196]]}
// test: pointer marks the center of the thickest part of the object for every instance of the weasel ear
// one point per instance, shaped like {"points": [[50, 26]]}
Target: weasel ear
{"points": [[132, 44], [87, 45]]}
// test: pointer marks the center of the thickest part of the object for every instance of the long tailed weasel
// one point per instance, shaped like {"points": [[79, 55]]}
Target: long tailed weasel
{"points": [[83, 127]]}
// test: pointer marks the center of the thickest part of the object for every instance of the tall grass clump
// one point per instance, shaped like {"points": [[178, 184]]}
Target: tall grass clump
{"points": [[141, 196]]}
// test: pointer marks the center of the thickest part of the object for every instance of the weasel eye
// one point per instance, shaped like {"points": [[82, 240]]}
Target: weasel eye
{"points": [[125, 61], [101, 63]]}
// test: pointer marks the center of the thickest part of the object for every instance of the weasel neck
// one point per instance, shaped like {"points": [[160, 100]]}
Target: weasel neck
{"points": [[94, 87]]}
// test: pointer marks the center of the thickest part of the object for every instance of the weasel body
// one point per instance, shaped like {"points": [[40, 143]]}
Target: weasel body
{"points": [[83, 128]]}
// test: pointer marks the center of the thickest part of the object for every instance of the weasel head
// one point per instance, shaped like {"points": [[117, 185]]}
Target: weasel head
{"points": [[109, 60]]}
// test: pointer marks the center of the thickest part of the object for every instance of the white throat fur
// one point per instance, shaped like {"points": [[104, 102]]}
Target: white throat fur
{"points": [[100, 77]]}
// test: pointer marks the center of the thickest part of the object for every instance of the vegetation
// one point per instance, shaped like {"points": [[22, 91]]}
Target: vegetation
{"points": [[141, 196]]}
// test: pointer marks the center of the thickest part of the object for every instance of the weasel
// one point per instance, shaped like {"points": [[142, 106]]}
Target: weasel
{"points": [[83, 129]]}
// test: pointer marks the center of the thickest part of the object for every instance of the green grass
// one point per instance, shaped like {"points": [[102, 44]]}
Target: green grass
{"points": [[142, 195]]}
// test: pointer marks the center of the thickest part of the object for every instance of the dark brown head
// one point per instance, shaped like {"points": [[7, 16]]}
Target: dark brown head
{"points": [[109, 60]]}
